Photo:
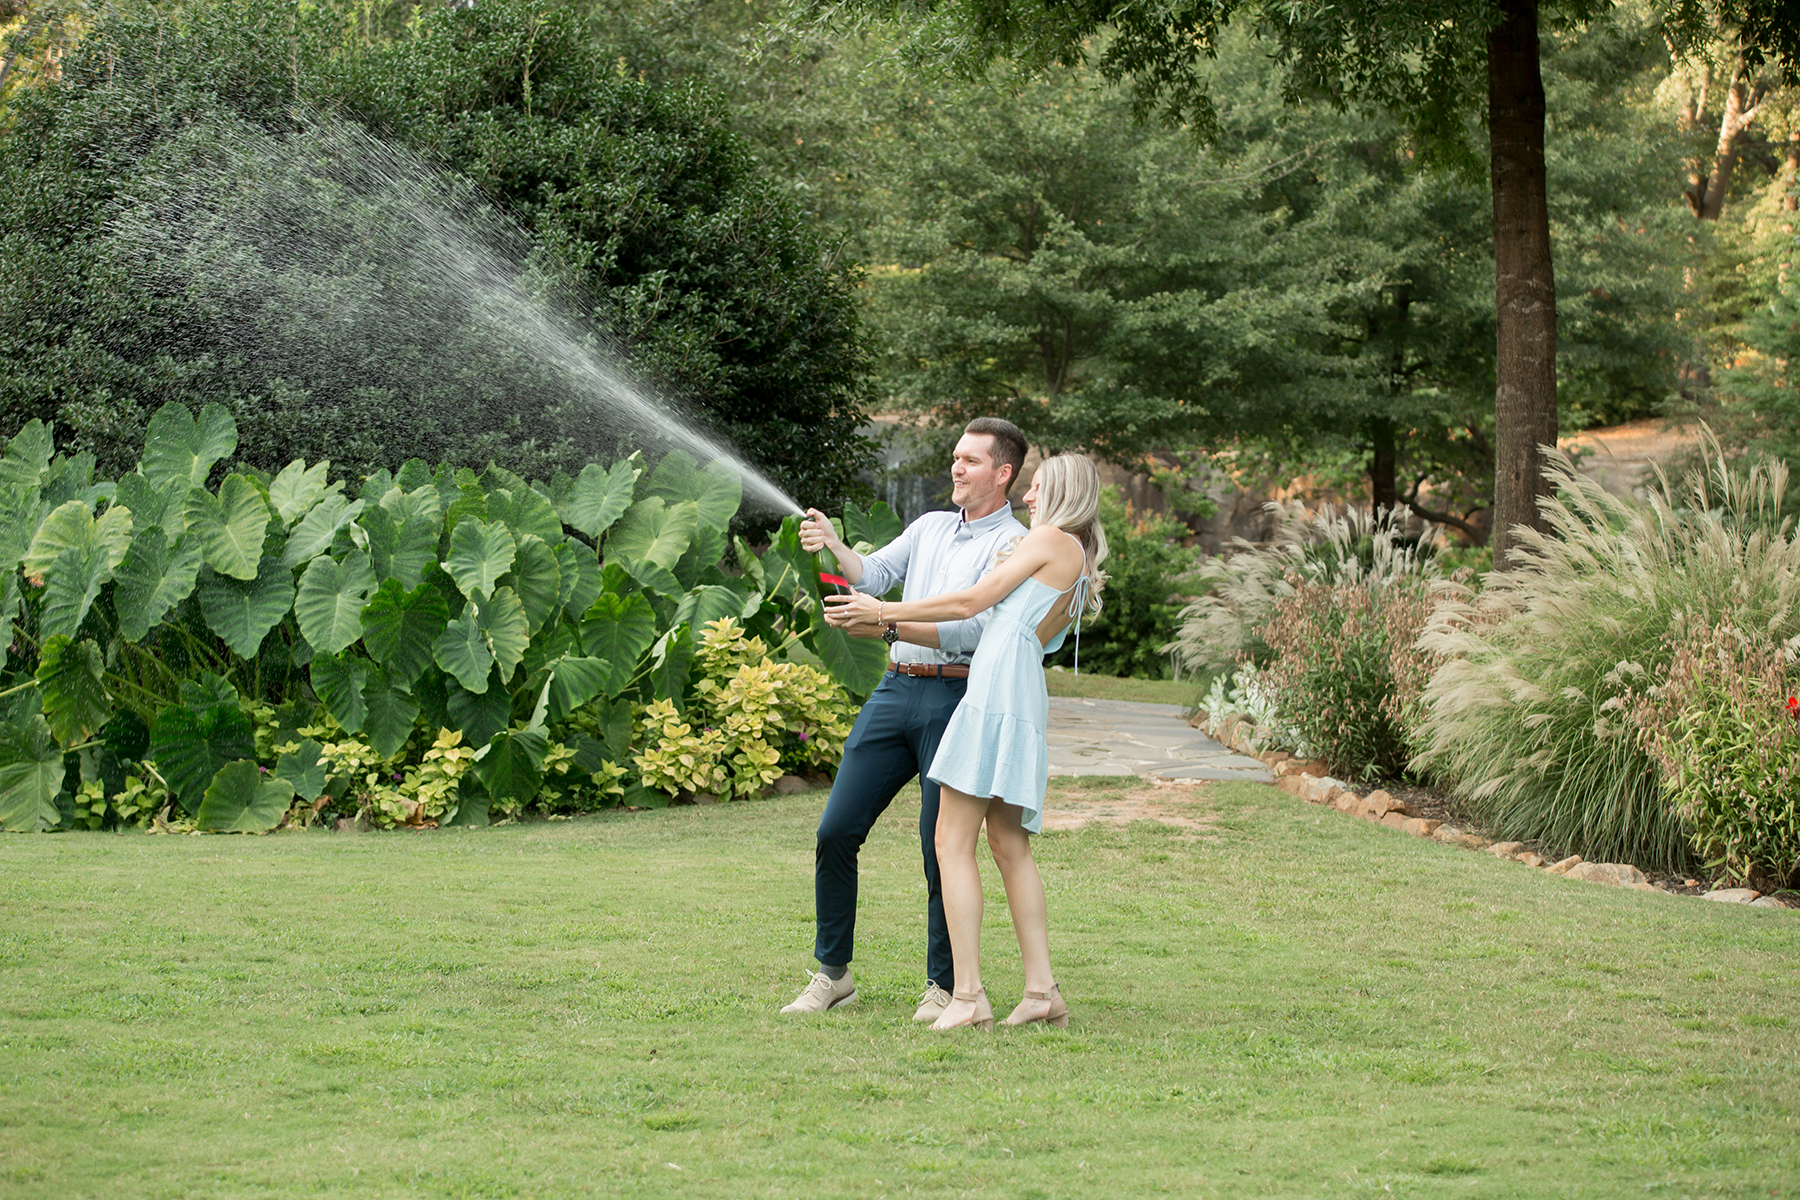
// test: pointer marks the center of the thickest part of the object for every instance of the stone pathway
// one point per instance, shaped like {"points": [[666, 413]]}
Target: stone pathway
{"points": [[1121, 737]]}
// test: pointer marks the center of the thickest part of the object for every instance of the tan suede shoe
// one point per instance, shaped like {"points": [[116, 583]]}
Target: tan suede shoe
{"points": [[932, 1004], [823, 993]]}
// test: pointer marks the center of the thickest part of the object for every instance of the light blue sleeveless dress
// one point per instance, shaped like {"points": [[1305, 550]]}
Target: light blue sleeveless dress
{"points": [[994, 744]]}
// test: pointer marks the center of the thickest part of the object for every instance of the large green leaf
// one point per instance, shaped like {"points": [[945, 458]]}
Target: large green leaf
{"points": [[71, 526], [152, 505], [71, 678], [153, 578], [399, 628], [671, 664], [317, 530], [855, 662], [298, 488], [31, 776], [599, 496], [618, 629], [580, 572], [179, 448], [874, 529], [27, 456], [73, 584], [391, 713], [503, 624], [192, 741], [480, 715], [303, 768], [716, 491], [240, 800], [403, 534], [329, 602], [701, 557], [480, 553], [575, 681], [537, 579], [229, 527], [242, 611], [512, 768], [526, 512], [704, 605], [462, 651], [338, 681], [651, 538]]}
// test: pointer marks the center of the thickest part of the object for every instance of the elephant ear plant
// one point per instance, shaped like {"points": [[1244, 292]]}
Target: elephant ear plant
{"points": [[431, 645]]}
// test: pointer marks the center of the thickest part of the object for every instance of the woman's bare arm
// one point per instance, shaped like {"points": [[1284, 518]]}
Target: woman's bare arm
{"points": [[1034, 552]]}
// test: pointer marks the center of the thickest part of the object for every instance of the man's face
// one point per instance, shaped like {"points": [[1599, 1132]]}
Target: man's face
{"points": [[974, 476]]}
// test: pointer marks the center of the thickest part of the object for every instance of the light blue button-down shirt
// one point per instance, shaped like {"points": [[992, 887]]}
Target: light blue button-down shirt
{"points": [[940, 552]]}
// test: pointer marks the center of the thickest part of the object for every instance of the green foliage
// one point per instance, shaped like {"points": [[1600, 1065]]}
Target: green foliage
{"points": [[1727, 741], [241, 800], [1528, 715], [1145, 581], [31, 775], [192, 221], [522, 647]]}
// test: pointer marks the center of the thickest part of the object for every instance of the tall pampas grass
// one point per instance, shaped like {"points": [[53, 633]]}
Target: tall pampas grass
{"points": [[1327, 547], [1528, 717]]}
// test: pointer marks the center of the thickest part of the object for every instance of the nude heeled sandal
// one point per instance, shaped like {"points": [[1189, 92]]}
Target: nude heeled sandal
{"points": [[1057, 1014], [982, 1018]]}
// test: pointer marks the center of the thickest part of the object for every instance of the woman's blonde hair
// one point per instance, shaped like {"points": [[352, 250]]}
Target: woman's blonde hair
{"points": [[1069, 498]]}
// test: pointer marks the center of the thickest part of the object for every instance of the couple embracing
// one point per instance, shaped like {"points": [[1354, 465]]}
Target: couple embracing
{"points": [[963, 706]]}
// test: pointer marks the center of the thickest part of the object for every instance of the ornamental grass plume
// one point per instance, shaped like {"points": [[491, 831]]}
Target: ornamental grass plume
{"points": [[1242, 588], [1527, 717]]}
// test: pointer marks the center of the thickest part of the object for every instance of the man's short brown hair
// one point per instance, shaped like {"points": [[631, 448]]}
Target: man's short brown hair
{"points": [[1009, 443]]}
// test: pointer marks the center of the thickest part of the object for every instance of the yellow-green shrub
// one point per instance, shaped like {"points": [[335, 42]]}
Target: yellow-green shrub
{"points": [[756, 718]]}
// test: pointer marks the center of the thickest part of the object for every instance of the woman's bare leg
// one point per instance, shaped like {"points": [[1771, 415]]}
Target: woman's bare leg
{"points": [[958, 825], [1011, 846]]}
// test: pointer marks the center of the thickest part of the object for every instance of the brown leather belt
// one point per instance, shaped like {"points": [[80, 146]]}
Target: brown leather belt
{"points": [[931, 670]]}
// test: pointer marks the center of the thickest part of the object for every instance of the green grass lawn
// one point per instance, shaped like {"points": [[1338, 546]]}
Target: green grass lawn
{"points": [[1184, 692], [1285, 1003]]}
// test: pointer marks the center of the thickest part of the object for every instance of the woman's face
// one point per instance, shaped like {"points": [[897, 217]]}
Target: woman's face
{"points": [[1032, 495]]}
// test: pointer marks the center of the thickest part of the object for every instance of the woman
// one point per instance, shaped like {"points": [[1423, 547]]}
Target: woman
{"points": [[992, 763]]}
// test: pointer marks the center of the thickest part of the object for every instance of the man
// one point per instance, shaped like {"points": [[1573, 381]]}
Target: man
{"points": [[897, 732]]}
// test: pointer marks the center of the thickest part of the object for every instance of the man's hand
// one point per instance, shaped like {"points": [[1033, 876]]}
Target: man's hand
{"points": [[817, 534]]}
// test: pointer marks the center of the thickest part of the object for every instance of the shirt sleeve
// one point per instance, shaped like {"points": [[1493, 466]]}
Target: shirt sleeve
{"points": [[960, 637], [885, 567]]}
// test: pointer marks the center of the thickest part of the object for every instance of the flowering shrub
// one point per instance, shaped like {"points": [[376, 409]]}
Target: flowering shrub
{"points": [[1335, 647], [1722, 729]]}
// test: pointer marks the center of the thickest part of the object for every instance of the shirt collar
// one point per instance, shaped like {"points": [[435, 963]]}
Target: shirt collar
{"points": [[993, 520]]}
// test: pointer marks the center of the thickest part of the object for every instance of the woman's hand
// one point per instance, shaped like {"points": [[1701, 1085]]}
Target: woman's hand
{"points": [[855, 609]]}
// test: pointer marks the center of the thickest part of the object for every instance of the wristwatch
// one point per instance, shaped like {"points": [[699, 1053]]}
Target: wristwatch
{"points": [[891, 634]]}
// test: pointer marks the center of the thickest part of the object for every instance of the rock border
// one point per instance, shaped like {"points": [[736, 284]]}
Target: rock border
{"points": [[1309, 781]]}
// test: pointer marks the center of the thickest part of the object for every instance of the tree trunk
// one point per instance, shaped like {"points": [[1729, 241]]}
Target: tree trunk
{"points": [[1742, 102], [1524, 281], [1790, 201], [1384, 493]]}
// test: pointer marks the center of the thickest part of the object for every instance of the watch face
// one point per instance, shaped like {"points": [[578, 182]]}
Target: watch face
{"points": [[890, 635]]}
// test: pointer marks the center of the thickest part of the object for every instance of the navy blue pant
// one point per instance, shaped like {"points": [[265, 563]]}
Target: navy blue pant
{"points": [[894, 739]]}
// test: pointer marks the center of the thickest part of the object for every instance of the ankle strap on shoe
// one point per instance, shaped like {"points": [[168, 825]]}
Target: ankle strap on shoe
{"points": [[973, 996]]}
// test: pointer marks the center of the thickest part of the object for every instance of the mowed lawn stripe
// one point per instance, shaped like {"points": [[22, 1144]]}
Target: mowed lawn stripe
{"points": [[1280, 1002]]}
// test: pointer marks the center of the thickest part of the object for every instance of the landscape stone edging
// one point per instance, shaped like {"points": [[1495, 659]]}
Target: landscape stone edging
{"points": [[1309, 782]]}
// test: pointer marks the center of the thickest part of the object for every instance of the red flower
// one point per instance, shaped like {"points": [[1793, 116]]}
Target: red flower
{"points": [[1793, 704]]}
